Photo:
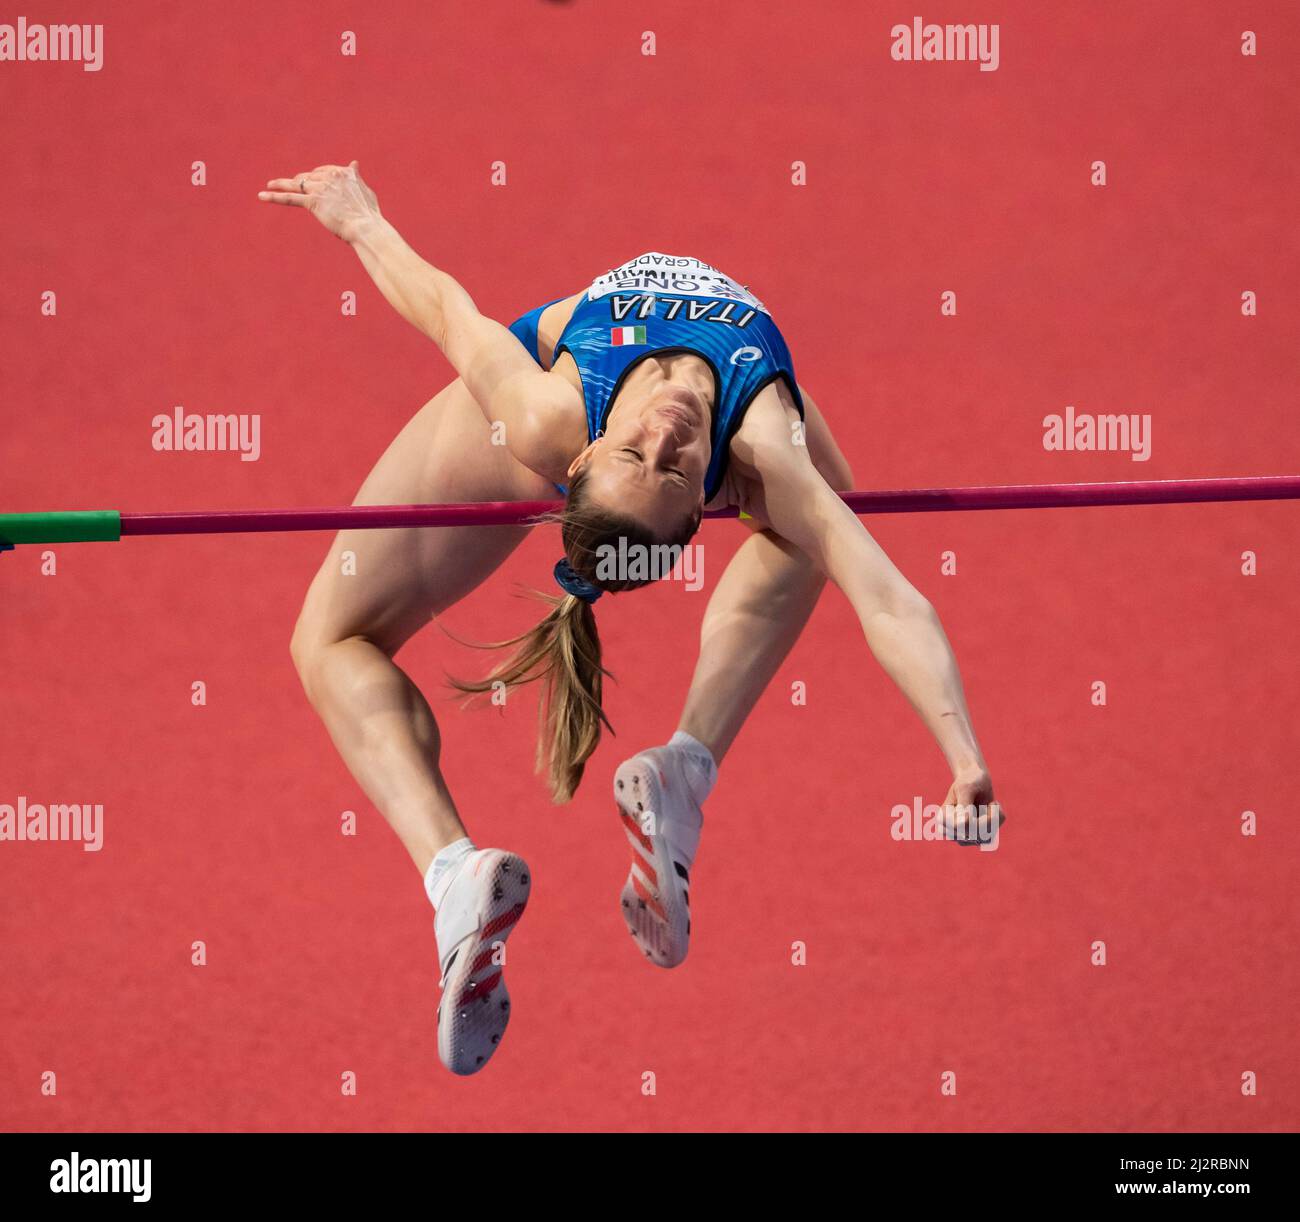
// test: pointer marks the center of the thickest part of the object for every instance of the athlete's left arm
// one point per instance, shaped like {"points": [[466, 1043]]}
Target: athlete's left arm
{"points": [[785, 490]]}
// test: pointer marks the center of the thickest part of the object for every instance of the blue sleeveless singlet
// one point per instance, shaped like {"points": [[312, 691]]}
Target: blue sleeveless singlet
{"points": [[661, 304]]}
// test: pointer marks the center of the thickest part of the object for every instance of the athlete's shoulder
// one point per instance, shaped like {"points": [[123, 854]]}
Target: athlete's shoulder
{"points": [[551, 326], [771, 420], [775, 448], [768, 443]]}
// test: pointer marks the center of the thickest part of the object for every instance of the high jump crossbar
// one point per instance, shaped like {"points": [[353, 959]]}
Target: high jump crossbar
{"points": [[107, 525]]}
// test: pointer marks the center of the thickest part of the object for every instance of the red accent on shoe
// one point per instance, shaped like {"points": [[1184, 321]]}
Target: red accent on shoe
{"points": [[634, 830], [473, 992], [504, 921], [653, 904]]}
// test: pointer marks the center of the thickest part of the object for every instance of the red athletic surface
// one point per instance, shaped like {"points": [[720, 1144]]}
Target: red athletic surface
{"points": [[222, 822]]}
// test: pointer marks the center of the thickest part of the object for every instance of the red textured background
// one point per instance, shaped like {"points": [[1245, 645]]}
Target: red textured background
{"points": [[222, 822]]}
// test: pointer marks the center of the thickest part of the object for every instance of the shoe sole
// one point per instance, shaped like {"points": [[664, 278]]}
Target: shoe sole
{"points": [[655, 901], [475, 1006]]}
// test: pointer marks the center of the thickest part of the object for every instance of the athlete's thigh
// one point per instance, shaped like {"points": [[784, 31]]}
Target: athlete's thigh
{"points": [[385, 585]]}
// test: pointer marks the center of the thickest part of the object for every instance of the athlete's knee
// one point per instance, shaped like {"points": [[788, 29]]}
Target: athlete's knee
{"points": [[306, 647], [320, 647], [312, 640]]}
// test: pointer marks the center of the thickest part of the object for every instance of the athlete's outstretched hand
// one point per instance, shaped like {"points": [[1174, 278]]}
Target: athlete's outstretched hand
{"points": [[971, 814], [335, 195]]}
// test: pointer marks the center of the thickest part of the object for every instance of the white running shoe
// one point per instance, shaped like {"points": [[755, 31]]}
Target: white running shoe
{"points": [[482, 905], [662, 819]]}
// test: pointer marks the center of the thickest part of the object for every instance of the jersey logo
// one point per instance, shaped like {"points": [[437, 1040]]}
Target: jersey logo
{"points": [[746, 355], [621, 337]]}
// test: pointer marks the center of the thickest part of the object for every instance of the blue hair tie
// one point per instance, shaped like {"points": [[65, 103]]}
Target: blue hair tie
{"points": [[571, 583]]}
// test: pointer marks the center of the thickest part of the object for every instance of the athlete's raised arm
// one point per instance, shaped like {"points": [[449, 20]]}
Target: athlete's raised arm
{"points": [[782, 488], [507, 383]]}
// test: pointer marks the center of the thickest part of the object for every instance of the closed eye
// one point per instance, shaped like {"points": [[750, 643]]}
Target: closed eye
{"points": [[681, 475]]}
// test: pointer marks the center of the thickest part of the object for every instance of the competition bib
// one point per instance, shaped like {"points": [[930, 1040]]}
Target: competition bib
{"points": [[674, 274]]}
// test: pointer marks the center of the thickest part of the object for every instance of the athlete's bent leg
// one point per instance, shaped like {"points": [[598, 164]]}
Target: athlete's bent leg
{"points": [[755, 615], [375, 590], [761, 604]]}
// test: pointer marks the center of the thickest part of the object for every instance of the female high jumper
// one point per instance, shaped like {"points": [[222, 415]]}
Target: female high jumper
{"points": [[663, 388]]}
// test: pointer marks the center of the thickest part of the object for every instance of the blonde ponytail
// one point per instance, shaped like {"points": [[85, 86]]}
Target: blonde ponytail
{"points": [[563, 651]]}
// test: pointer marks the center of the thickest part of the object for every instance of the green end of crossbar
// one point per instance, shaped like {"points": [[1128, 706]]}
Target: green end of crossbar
{"points": [[80, 526]]}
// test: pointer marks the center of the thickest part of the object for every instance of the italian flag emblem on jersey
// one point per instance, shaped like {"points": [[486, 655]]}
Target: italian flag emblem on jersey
{"points": [[620, 336]]}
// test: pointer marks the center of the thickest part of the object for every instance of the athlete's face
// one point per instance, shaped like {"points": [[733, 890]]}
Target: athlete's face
{"points": [[652, 459]]}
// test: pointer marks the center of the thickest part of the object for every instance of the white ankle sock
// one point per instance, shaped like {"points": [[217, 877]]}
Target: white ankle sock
{"points": [[701, 771], [444, 868]]}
